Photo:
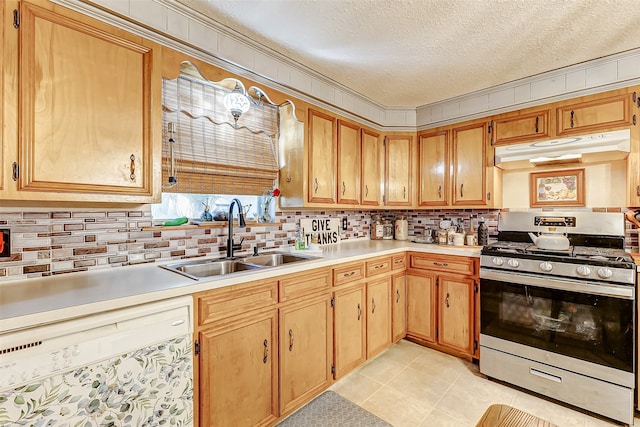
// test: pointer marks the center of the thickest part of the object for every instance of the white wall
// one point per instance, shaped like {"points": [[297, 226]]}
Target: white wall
{"points": [[605, 185]]}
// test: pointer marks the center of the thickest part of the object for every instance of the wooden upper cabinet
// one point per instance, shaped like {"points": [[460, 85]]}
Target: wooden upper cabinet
{"points": [[469, 175], [525, 127], [348, 163], [433, 169], [89, 103], [598, 114], [398, 170], [370, 168], [322, 157]]}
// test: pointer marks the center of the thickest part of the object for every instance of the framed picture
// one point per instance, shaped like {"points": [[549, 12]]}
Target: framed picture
{"points": [[557, 188]]}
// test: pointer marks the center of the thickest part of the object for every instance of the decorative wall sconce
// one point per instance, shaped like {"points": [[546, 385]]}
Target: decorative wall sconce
{"points": [[237, 102]]}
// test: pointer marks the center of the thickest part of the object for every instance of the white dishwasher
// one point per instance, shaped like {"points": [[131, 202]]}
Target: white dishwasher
{"points": [[127, 367]]}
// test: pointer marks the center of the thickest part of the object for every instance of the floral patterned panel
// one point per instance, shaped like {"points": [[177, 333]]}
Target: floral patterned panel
{"points": [[148, 387]]}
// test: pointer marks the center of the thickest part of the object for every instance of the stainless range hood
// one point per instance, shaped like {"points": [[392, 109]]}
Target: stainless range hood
{"points": [[599, 147]]}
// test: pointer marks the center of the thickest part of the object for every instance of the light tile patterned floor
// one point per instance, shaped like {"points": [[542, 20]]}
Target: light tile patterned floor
{"points": [[413, 386]]}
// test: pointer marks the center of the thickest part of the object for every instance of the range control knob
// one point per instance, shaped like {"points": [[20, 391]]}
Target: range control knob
{"points": [[497, 261], [583, 271], [546, 266], [513, 263], [605, 273]]}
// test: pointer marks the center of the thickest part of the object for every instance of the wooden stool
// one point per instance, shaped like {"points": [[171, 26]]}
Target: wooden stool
{"points": [[506, 416]]}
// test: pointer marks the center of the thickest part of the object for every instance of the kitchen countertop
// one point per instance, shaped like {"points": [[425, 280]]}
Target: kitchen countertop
{"points": [[32, 302]]}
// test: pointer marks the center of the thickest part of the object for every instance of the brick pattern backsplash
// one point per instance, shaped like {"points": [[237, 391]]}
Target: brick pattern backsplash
{"points": [[57, 242]]}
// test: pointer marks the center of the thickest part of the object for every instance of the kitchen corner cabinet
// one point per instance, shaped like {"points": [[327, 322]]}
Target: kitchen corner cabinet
{"points": [[378, 274], [86, 97], [322, 158], [441, 302], [398, 176], [370, 184], [399, 306], [434, 169], [237, 362], [349, 162]]}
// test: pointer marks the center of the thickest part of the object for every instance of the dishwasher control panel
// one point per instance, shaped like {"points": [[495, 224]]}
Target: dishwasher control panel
{"points": [[29, 355]]}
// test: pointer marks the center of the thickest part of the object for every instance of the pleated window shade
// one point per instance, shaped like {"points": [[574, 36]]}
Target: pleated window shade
{"points": [[210, 154]]}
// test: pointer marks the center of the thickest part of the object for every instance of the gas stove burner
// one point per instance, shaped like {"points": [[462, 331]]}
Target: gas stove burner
{"points": [[536, 250], [508, 247], [602, 254]]}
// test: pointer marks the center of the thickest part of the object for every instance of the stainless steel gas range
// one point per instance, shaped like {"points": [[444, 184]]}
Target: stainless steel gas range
{"points": [[561, 322]]}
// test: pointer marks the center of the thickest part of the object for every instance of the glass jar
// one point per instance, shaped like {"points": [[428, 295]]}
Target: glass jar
{"points": [[377, 229], [387, 233], [402, 228]]}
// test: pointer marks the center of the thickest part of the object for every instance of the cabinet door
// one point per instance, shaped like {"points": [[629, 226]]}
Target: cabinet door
{"points": [[433, 169], [524, 127], [421, 305], [322, 157], [370, 169], [469, 175], [398, 173], [378, 316], [238, 371], [348, 163], [595, 115], [456, 313], [306, 338], [399, 302], [350, 346], [90, 115]]}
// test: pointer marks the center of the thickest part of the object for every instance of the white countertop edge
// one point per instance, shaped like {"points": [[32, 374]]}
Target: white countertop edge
{"points": [[31, 302]]}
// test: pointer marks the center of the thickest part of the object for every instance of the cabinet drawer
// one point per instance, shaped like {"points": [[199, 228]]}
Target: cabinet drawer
{"points": [[378, 266], [225, 302], [348, 273], [307, 283], [444, 263], [399, 262]]}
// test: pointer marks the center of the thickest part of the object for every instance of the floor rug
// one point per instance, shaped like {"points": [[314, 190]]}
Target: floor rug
{"points": [[331, 410], [506, 416]]}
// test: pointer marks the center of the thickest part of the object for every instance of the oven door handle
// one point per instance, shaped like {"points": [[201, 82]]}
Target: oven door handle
{"points": [[594, 288]]}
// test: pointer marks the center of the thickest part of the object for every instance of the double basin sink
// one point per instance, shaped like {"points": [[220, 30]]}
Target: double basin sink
{"points": [[198, 269]]}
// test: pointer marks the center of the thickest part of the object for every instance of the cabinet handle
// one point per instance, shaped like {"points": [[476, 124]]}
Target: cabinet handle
{"points": [[266, 351], [440, 191], [489, 195], [315, 180], [397, 296], [446, 300], [375, 267], [359, 311], [366, 190], [637, 190], [461, 190], [132, 167], [404, 193], [349, 274], [572, 114], [290, 339], [537, 121], [344, 188], [15, 171], [373, 305], [440, 264]]}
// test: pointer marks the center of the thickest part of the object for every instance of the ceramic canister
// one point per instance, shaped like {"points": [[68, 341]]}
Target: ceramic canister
{"points": [[402, 228]]}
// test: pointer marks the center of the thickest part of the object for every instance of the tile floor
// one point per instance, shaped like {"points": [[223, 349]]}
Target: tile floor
{"points": [[413, 386]]}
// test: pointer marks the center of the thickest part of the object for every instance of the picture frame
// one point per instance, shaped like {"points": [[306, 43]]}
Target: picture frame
{"points": [[557, 188]]}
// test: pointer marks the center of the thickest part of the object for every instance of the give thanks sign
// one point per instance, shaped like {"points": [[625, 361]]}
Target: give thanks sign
{"points": [[323, 231]]}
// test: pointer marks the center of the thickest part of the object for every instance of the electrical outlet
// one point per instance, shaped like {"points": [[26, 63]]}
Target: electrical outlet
{"points": [[5, 243], [344, 223]]}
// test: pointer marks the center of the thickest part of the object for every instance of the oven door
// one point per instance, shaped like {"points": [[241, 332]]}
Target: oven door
{"points": [[578, 319]]}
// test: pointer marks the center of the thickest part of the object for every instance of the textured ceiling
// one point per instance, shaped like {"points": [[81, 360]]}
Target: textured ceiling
{"points": [[407, 53]]}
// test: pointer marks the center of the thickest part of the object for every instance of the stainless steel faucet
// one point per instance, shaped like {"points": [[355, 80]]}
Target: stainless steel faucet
{"points": [[241, 223]]}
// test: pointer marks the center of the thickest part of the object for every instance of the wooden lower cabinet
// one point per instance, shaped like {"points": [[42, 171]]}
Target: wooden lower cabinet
{"points": [[306, 341], [350, 329], [378, 316], [238, 371], [441, 304], [399, 306]]}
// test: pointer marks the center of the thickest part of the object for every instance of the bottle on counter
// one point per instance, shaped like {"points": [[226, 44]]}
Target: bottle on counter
{"points": [[387, 233], [402, 228], [377, 228], [483, 232]]}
